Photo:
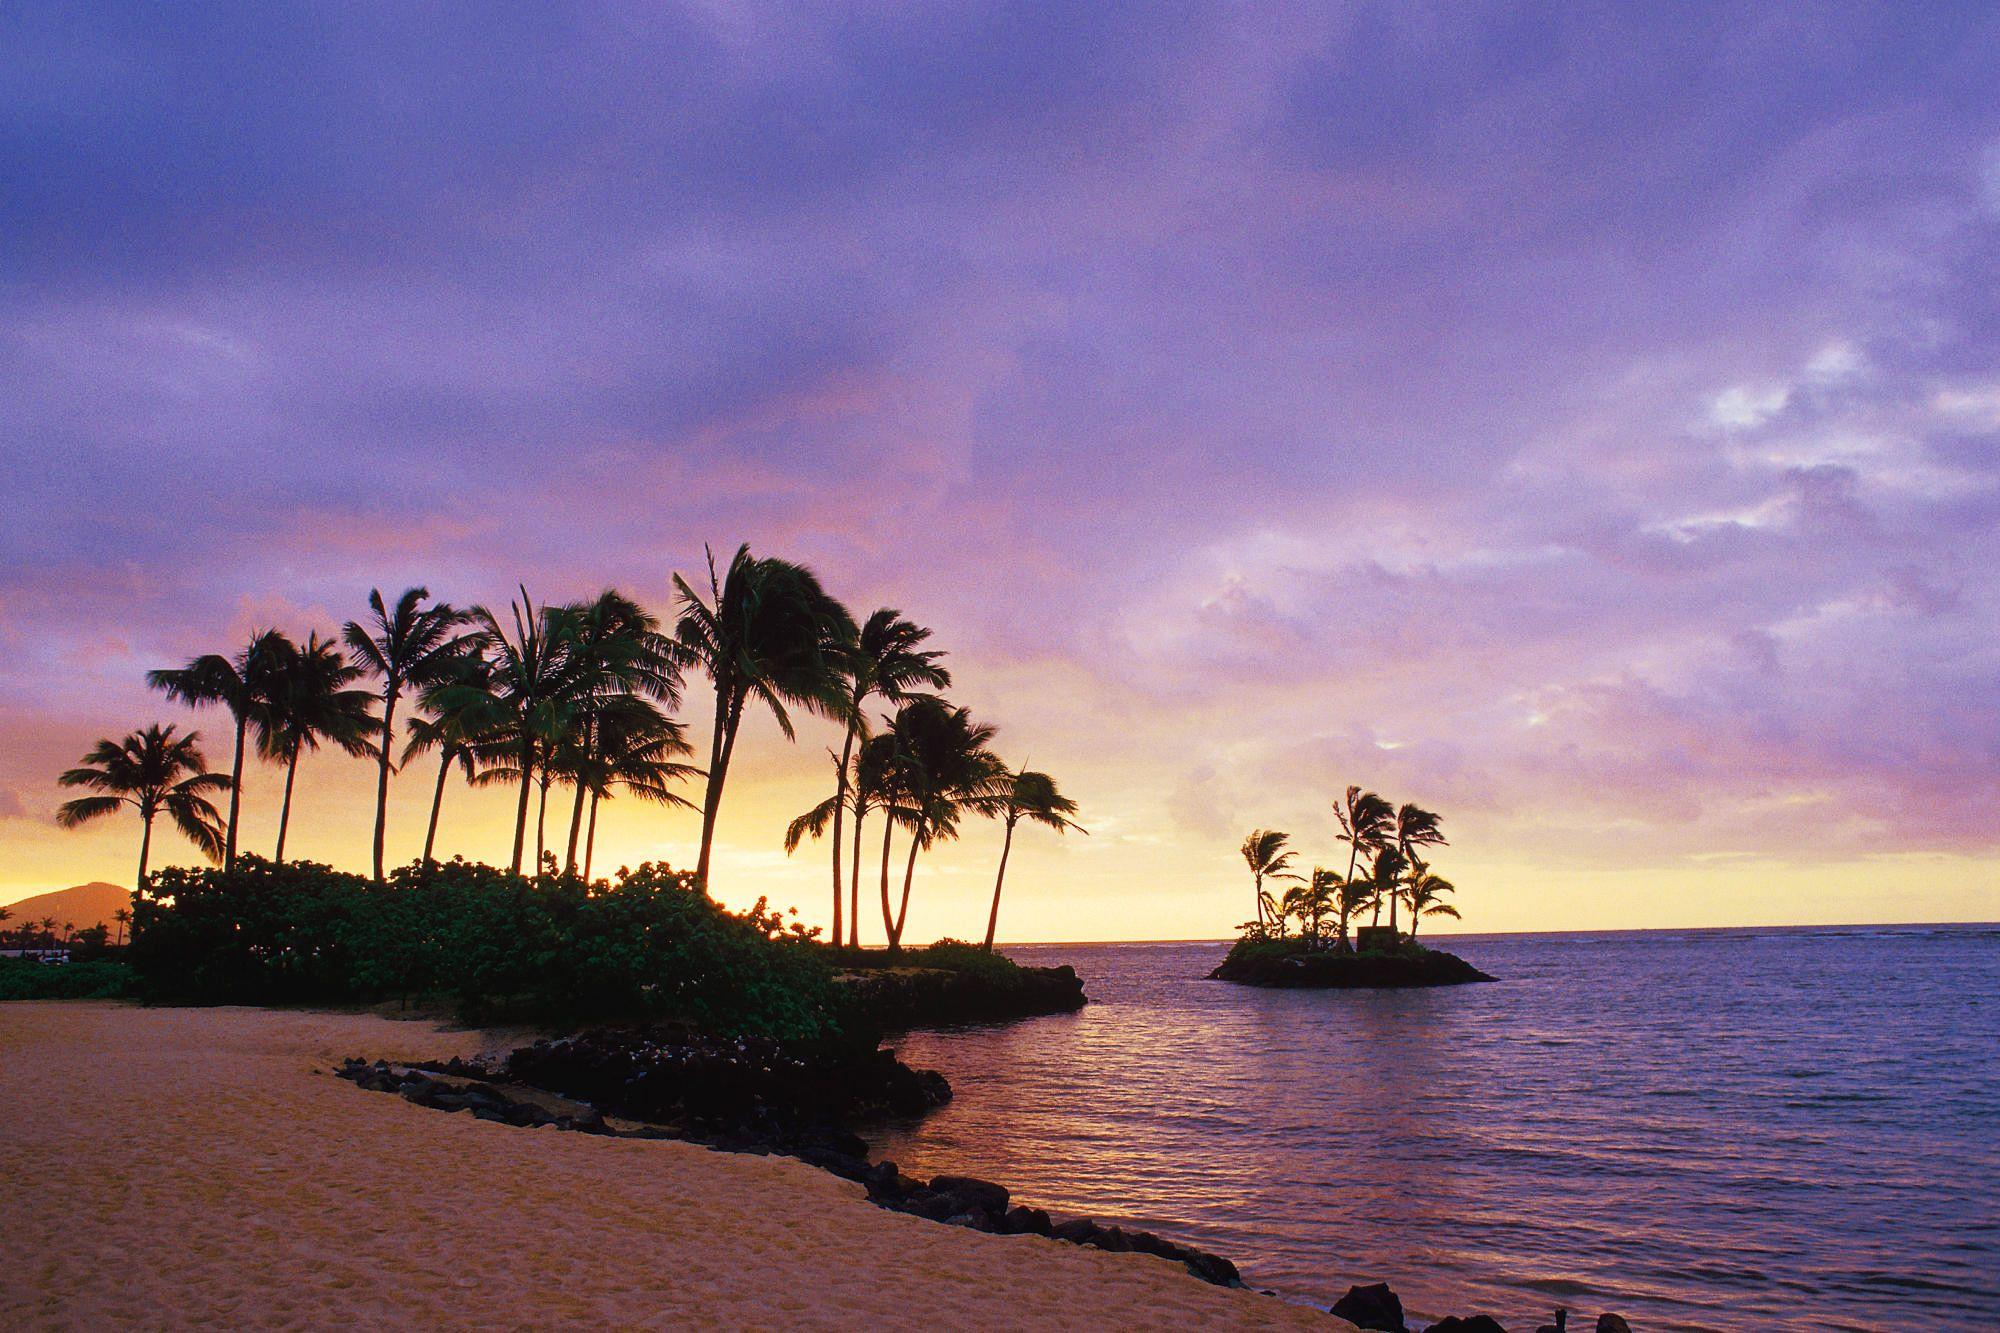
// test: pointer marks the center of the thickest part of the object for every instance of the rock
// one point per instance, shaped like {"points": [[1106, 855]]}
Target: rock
{"points": [[1021, 1221], [1374, 1307], [1077, 1230], [1611, 1323], [936, 1207], [1112, 1239], [972, 1190], [1476, 1323], [1560, 1326]]}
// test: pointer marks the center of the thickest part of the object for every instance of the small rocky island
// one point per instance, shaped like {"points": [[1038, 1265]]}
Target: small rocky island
{"points": [[1295, 964]]}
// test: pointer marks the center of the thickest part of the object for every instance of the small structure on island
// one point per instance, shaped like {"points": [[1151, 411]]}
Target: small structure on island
{"points": [[1375, 939]]}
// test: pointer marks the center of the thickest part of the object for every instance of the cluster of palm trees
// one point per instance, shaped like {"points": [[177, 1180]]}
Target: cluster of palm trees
{"points": [[579, 698], [1385, 867]]}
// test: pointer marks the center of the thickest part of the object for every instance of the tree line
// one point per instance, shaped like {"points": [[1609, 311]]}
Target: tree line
{"points": [[1385, 866], [578, 701]]}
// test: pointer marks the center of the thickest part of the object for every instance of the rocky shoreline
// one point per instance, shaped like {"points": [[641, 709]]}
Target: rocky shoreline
{"points": [[896, 999], [1348, 971]]}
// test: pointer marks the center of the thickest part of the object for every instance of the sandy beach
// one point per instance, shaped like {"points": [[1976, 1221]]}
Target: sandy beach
{"points": [[167, 1167]]}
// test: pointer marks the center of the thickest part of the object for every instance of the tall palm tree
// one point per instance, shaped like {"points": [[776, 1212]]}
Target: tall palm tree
{"points": [[1264, 852], [624, 666], [887, 660], [769, 632], [1412, 827], [1386, 876], [531, 682], [313, 699], [412, 646], [1426, 892], [153, 771], [243, 684], [1031, 796], [458, 713], [944, 769], [1364, 826], [1351, 898], [639, 753]]}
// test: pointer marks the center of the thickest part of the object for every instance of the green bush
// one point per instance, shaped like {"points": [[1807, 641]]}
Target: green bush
{"points": [[1269, 948], [25, 979], [645, 946], [947, 955]]}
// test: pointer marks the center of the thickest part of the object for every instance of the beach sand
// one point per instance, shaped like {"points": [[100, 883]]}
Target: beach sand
{"points": [[166, 1167]]}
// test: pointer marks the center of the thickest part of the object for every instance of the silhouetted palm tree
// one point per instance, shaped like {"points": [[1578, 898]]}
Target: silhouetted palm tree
{"points": [[412, 646], [769, 632], [1031, 796], [531, 680], [1351, 897], [313, 699], [1386, 875], [1264, 852], [638, 754], [944, 769], [1426, 892], [123, 916], [1413, 827], [887, 660], [458, 712], [242, 684], [1364, 826], [153, 771], [1318, 896]]}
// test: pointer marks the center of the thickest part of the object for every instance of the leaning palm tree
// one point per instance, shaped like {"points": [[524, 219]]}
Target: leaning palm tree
{"points": [[1351, 898], [458, 712], [1364, 826], [1386, 877], [531, 681], [767, 631], [153, 771], [1411, 828], [1426, 894], [243, 684], [1031, 796], [886, 660], [1264, 852], [314, 699], [946, 769], [412, 646]]}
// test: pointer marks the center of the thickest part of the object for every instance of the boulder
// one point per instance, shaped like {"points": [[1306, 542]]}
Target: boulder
{"points": [[1077, 1230], [1021, 1221], [972, 1190], [1475, 1323], [1374, 1307], [1611, 1323]]}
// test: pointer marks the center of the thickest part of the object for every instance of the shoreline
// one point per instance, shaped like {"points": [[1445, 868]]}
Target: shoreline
{"points": [[205, 1162]]}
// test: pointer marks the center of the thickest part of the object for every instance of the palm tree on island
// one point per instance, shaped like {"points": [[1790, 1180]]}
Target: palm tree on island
{"points": [[767, 631], [1264, 852], [413, 646], [154, 771], [1031, 796], [1426, 894], [243, 684], [1412, 827]]}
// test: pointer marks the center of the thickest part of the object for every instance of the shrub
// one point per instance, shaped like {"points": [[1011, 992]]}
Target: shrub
{"points": [[26, 979], [644, 946]]}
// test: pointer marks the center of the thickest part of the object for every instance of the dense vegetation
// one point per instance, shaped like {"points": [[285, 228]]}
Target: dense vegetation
{"points": [[577, 702], [647, 945], [90, 979]]}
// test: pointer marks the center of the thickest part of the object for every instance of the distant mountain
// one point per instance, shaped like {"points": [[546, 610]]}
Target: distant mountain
{"points": [[82, 906]]}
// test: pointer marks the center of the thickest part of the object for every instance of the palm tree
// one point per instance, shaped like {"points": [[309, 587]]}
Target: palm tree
{"points": [[413, 646], [152, 770], [1413, 827], [1364, 826], [641, 757], [943, 769], [242, 684], [459, 712], [1351, 898], [1317, 895], [1386, 876], [769, 632], [313, 699], [887, 660], [1264, 852], [1032, 796], [531, 683], [123, 916], [1426, 892]]}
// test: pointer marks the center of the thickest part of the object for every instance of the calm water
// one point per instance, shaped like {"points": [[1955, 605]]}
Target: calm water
{"points": [[1759, 1129]]}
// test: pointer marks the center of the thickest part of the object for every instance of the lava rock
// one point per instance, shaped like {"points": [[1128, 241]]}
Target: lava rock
{"points": [[1611, 1323], [972, 1190], [1373, 1307], [1476, 1323]]}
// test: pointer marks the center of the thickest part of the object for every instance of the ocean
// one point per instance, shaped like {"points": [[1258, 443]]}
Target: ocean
{"points": [[1769, 1129]]}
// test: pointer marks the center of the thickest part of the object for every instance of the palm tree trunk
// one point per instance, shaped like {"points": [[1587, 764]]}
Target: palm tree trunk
{"points": [[909, 871], [993, 917], [888, 922], [840, 808], [437, 802], [1257, 877], [285, 809], [575, 827], [145, 851], [854, 887], [541, 820], [389, 692], [718, 768], [235, 795], [1394, 898], [590, 838], [521, 810]]}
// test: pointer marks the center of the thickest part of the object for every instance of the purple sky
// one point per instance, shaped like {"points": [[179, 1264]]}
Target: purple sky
{"points": [[1586, 425]]}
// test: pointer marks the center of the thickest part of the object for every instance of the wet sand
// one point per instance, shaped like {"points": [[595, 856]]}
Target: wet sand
{"points": [[171, 1167]]}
